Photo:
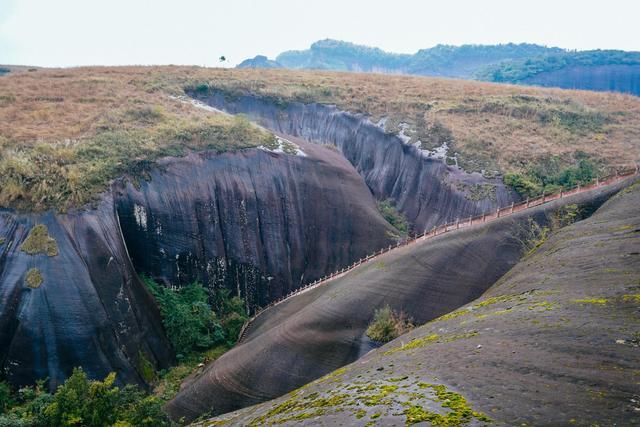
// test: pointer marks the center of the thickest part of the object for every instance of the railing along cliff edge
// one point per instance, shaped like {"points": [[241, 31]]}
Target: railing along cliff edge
{"points": [[436, 231]]}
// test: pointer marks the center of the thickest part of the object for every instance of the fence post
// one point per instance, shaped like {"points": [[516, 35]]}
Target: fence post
{"points": [[528, 201], [543, 197], [484, 214], [457, 223], [597, 181], [498, 213], [511, 211]]}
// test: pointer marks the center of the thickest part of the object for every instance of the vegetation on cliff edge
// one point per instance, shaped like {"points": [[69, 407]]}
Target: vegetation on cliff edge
{"points": [[66, 133]]}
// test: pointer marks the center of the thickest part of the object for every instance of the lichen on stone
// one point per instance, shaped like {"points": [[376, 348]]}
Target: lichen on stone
{"points": [[39, 242], [431, 339], [33, 279], [597, 301], [414, 400]]}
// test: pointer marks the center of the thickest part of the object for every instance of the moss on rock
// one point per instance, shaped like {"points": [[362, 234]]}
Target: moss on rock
{"points": [[33, 279], [39, 242]]}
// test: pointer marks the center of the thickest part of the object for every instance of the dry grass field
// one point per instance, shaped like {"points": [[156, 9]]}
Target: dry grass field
{"points": [[65, 133]]}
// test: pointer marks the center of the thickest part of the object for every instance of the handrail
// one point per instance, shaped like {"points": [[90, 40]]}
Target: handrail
{"points": [[436, 231]]}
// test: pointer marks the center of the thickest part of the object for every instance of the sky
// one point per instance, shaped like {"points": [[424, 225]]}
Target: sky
{"points": [[198, 32]]}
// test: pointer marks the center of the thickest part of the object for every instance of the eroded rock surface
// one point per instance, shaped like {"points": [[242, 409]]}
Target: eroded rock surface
{"points": [[553, 342], [70, 297], [257, 222], [427, 190], [323, 329]]}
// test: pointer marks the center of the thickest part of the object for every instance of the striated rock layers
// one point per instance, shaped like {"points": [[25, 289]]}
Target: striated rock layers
{"points": [[554, 342], [425, 189], [323, 329], [69, 297], [257, 222]]}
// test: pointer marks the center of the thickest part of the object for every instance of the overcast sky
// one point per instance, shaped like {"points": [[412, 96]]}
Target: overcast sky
{"points": [[111, 32]]}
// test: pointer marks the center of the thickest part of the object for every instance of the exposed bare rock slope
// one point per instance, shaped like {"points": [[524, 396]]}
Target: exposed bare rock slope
{"points": [[318, 331], [257, 222], [425, 189], [69, 297], [553, 342]]}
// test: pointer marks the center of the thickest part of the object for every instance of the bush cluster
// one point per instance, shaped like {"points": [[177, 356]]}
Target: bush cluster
{"points": [[549, 175], [388, 325], [393, 217], [191, 323], [80, 402]]}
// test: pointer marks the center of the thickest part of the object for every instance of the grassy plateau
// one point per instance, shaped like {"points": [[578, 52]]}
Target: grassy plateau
{"points": [[66, 133]]}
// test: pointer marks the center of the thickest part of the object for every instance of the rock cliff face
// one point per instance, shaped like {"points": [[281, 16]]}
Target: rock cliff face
{"points": [[426, 190], [614, 78], [257, 222], [551, 343], [69, 297], [323, 329]]}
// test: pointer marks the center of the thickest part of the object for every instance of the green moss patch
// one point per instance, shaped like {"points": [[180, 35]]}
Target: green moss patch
{"points": [[633, 298], [33, 278], [146, 369], [459, 414], [596, 301], [431, 339], [376, 400], [39, 242]]}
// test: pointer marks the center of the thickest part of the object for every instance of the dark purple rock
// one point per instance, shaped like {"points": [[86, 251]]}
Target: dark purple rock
{"points": [[257, 222], [90, 310], [422, 187]]}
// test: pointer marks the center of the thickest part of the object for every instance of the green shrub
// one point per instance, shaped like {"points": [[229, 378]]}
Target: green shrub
{"points": [[387, 325], [522, 185], [393, 217], [233, 312], [190, 323], [6, 398], [83, 402], [232, 325], [550, 175]]}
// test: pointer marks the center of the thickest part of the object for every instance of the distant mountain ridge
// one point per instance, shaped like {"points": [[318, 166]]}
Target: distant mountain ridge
{"points": [[523, 63]]}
